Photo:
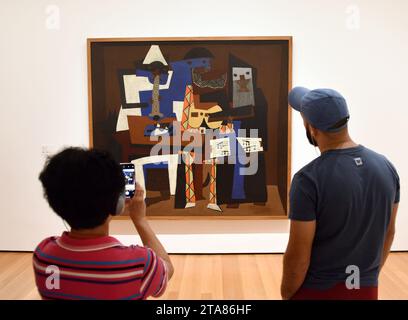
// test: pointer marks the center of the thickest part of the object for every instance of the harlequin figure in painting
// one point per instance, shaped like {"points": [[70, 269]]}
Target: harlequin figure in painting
{"points": [[195, 118]]}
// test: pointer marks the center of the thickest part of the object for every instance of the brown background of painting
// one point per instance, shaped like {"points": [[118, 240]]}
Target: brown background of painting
{"points": [[269, 57]]}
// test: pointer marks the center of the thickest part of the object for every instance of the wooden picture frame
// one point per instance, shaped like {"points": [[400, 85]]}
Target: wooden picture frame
{"points": [[104, 53]]}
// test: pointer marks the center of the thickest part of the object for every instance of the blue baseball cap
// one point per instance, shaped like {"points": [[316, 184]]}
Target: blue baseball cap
{"points": [[324, 109]]}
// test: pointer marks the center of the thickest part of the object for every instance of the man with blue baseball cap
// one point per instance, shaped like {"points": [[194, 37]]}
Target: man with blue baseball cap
{"points": [[343, 207]]}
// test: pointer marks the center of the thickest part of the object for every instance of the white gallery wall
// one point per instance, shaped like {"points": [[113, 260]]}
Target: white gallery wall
{"points": [[358, 47]]}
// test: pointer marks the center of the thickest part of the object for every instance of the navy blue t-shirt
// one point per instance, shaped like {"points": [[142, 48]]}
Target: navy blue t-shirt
{"points": [[350, 193]]}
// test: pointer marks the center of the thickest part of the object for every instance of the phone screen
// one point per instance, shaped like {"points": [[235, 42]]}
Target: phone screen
{"points": [[129, 173]]}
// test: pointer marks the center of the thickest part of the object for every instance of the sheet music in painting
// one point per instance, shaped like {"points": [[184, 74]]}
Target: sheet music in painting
{"points": [[220, 148], [250, 145]]}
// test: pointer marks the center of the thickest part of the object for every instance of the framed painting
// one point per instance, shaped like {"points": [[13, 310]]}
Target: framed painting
{"points": [[204, 121]]}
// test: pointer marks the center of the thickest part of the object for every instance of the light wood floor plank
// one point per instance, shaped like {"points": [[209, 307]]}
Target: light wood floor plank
{"points": [[229, 277]]}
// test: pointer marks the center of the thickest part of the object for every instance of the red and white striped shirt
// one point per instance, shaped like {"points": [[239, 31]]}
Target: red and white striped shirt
{"points": [[97, 268]]}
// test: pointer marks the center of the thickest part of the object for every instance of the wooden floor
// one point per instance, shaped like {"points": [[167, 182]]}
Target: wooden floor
{"points": [[208, 277]]}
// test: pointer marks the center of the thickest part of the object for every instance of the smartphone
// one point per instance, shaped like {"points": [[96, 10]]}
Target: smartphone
{"points": [[129, 173]]}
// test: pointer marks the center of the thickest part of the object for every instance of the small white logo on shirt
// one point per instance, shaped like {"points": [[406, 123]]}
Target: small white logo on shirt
{"points": [[358, 161]]}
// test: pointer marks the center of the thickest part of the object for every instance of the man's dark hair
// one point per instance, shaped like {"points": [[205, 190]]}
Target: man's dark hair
{"points": [[83, 186]]}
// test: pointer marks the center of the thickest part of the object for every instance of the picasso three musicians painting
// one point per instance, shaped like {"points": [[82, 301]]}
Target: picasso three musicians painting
{"points": [[204, 122]]}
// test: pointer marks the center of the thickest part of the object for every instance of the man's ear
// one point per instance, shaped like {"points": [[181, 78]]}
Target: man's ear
{"points": [[313, 131]]}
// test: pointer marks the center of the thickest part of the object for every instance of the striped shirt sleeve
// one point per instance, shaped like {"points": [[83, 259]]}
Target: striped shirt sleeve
{"points": [[155, 277]]}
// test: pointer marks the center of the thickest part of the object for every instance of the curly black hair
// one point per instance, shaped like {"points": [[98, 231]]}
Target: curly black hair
{"points": [[83, 186]]}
